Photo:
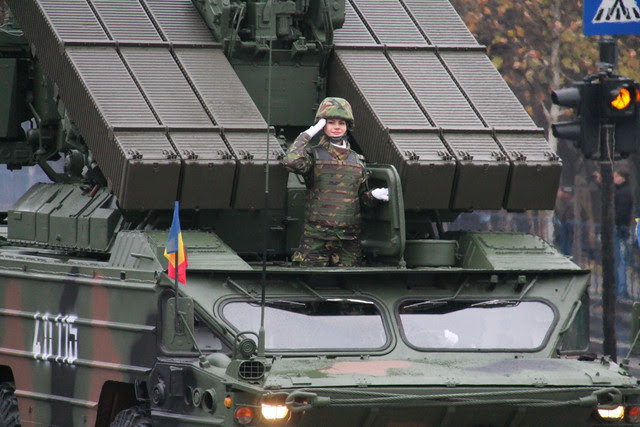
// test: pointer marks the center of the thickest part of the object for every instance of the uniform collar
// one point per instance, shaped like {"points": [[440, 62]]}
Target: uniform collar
{"points": [[340, 153]]}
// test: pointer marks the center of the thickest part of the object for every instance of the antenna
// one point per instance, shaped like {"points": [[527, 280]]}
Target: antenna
{"points": [[261, 333]]}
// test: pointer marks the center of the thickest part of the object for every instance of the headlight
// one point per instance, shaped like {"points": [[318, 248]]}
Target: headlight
{"points": [[612, 414], [274, 412]]}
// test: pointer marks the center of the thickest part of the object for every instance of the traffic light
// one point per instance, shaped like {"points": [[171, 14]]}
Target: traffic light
{"points": [[619, 97], [584, 98], [621, 107]]}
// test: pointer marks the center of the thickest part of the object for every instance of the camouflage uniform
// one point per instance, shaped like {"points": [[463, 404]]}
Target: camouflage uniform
{"points": [[334, 177]]}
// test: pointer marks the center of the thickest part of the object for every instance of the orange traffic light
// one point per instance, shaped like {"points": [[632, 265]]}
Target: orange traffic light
{"points": [[621, 107], [619, 96], [622, 100]]}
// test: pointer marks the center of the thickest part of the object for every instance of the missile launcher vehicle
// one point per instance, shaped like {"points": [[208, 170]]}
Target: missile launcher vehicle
{"points": [[149, 102]]}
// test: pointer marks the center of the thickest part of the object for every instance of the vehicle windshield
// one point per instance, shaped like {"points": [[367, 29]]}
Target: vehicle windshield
{"points": [[322, 325], [486, 325]]}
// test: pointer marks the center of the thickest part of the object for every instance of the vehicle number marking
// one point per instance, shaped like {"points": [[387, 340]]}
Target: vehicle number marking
{"points": [[55, 338]]}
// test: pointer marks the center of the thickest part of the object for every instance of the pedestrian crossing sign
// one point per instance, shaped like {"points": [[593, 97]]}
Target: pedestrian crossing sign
{"points": [[610, 17]]}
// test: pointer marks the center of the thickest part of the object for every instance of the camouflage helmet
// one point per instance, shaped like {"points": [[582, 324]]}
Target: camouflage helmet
{"points": [[335, 108]]}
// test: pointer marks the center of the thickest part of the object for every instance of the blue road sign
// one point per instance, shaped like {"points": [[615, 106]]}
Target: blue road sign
{"points": [[610, 17]]}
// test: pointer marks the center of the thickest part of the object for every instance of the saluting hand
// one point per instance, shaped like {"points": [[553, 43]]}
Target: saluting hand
{"points": [[316, 128]]}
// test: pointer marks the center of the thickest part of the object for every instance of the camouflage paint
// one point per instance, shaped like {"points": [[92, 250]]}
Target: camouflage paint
{"points": [[335, 108], [72, 251], [376, 368], [19, 341]]}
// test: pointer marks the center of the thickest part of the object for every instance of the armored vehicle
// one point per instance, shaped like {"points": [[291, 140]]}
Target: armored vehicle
{"points": [[150, 102]]}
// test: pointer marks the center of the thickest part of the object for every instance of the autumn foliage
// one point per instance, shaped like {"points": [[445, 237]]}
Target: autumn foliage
{"points": [[524, 37]]}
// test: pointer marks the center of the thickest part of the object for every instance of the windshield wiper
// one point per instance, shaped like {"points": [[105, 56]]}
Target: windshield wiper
{"points": [[495, 303], [240, 289], [310, 289], [285, 303], [427, 304], [438, 302]]}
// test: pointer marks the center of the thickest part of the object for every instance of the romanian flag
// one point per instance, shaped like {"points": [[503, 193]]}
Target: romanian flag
{"points": [[175, 249]]}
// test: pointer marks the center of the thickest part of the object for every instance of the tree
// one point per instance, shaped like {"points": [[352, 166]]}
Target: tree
{"points": [[539, 46]]}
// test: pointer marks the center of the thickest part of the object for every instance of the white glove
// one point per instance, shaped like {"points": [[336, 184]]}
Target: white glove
{"points": [[316, 128], [381, 194]]}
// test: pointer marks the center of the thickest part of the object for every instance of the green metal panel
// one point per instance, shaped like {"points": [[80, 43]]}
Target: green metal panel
{"points": [[205, 251], [510, 251], [383, 233], [434, 253], [296, 201], [22, 218], [9, 123], [174, 331], [295, 91], [65, 215]]}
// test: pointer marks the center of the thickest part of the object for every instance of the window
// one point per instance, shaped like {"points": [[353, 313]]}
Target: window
{"points": [[486, 325], [319, 325]]}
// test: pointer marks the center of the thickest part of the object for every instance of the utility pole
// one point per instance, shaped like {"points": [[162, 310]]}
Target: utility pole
{"points": [[608, 54], [609, 345]]}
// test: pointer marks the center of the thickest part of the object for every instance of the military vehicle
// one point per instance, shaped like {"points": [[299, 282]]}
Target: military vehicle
{"points": [[155, 101]]}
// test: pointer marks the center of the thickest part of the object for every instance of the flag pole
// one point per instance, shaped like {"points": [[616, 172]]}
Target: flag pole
{"points": [[176, 292], [172, 252], [175, 281]]}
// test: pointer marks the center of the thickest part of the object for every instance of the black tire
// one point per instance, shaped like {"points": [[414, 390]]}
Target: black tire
{"points": [[135, 416], [9, 412]]}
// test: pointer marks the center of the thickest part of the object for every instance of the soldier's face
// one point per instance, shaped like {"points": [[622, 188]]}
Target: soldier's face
{"points": [[335, 128]]}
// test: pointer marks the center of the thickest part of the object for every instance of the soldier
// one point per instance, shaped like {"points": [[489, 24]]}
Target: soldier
{"points": [[336, 179]]}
